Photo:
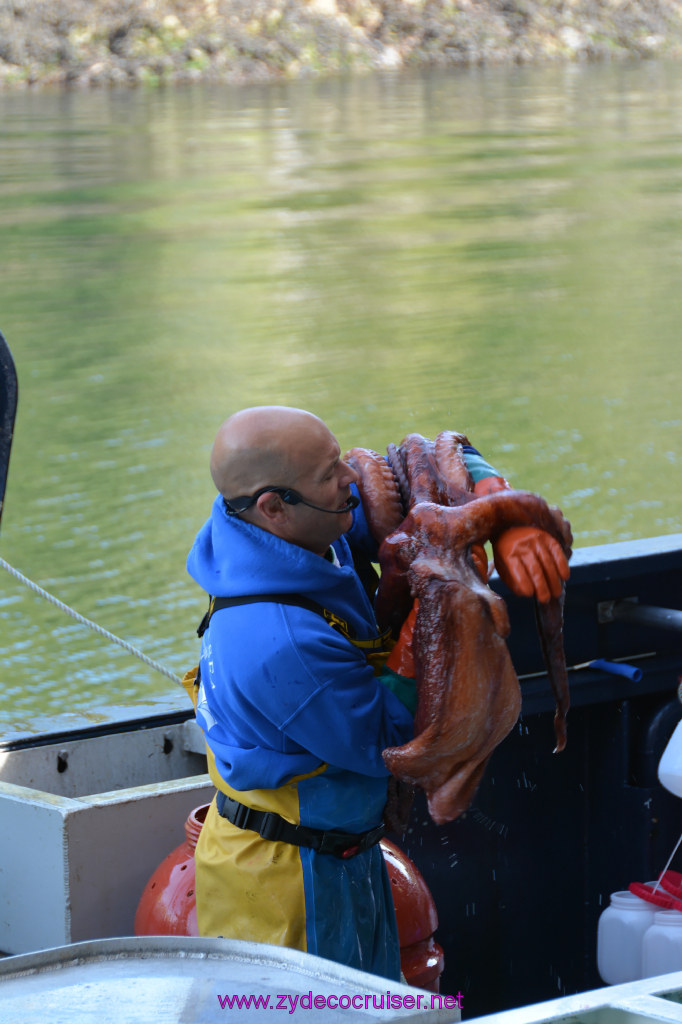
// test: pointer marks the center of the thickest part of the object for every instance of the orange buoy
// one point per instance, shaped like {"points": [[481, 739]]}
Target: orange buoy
{"points": [[168, 904], [421, 958]]}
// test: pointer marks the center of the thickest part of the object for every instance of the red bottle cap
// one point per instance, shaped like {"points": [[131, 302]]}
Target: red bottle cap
{"points": [[660, 897], [672, 883]]}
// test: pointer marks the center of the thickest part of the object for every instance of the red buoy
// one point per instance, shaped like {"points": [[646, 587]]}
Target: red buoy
{"points": [[168, 904], [421, 958]]}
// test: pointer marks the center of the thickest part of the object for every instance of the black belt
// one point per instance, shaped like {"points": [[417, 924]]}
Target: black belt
{"points": [[275, 828]]}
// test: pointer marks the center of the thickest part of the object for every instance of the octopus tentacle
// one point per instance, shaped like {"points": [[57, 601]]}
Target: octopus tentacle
{"points": [[550, 622], [417, 454], [398, 804], [485, 518], [449, 456], [378, 491], [394, 596], [397, 465]]}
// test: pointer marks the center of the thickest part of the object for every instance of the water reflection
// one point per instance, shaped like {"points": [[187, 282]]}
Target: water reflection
{"points": [[492, 251]]}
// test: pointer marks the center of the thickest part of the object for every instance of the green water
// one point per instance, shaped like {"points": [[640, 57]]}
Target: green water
{"points": [[498, 252]]}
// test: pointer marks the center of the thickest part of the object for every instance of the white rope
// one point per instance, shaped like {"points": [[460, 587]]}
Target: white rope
{"points": [[677, 845], [87, 622]]}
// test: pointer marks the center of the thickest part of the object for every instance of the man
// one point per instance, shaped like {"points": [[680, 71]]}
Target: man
{"points": [[294, 716]]}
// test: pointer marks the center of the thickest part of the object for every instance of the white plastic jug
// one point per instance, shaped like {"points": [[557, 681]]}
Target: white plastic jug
{"points": [[670, 765], [620, 932], [662, 945]]}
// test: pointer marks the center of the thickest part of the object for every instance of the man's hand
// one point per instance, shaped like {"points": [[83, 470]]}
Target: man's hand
{"points": [[531, 562]]}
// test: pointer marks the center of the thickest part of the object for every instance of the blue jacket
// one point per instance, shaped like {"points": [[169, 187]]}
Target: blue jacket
{"points": [[282, 692], [296, 721]]}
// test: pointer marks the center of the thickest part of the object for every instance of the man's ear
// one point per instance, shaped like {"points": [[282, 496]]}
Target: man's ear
{"points": [[271, 507]]}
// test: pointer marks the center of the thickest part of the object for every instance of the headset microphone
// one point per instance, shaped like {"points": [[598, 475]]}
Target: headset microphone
{"points": [[234, 506], [352, 503]]}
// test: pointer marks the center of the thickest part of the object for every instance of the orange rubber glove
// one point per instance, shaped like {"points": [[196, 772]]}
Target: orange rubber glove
{"points": [[531, 562], [400, 659], [528, 560], [489, 485]]}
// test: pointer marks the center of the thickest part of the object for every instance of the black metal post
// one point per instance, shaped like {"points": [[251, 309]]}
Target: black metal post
{"points": [[8, 410]]}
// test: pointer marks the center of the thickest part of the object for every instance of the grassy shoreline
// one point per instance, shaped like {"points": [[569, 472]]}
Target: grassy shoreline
{"points": [[85, 43]]}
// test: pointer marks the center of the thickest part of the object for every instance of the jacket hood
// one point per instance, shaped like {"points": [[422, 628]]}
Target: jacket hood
{"points": [[233, 558]]}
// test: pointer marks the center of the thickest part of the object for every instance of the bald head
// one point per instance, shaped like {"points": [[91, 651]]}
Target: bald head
{"points": [[263, 445]]}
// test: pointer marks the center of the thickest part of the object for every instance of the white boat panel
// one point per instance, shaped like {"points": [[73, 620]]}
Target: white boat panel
{"points": [[650, 1000], [75, 766], [73, 864]]}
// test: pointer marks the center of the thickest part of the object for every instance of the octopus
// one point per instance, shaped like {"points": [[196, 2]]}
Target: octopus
{"points": [[431, 528]]}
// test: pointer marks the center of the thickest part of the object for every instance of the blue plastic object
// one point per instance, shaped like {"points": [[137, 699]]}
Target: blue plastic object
{"points": [[617, 668]]}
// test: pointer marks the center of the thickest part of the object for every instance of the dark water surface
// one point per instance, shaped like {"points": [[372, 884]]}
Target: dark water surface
{"points": [[498, 252]]}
